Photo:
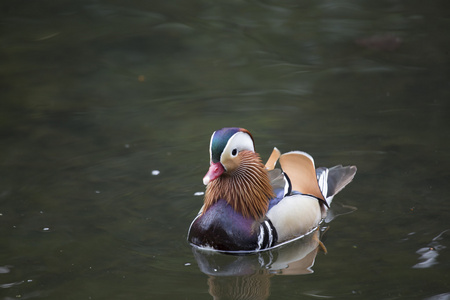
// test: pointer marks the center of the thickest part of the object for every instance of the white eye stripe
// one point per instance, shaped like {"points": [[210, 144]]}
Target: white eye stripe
{"points": [[239, 141]]}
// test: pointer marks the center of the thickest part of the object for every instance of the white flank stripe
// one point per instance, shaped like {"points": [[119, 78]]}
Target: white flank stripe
{"points": [[323, 183], [270, 233], [260, 236]]}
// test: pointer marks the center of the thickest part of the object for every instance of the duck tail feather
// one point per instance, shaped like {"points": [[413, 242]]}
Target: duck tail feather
{"points": [[338, 178]]}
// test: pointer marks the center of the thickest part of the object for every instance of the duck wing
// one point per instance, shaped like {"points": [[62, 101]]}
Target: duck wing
{"points": [[299, 167]]}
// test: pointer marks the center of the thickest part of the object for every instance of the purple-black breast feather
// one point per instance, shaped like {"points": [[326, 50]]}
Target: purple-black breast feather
{"points": [[223, 228]]}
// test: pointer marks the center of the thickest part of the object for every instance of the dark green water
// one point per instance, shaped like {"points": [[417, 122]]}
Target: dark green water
{"points": [[96, 95]]}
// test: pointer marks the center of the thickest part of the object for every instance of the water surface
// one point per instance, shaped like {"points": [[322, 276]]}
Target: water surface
{"points": [[105, 118]]}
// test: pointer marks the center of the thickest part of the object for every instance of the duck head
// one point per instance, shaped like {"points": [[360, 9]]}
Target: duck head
{"points": [[225, 146], [236, 174]]}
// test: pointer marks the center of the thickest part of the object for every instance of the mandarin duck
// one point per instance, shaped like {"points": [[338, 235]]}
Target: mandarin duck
{"points": [[249, 206]]}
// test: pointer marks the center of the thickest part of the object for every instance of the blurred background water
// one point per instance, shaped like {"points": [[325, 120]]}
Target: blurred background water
{"points": [[106, 112]]}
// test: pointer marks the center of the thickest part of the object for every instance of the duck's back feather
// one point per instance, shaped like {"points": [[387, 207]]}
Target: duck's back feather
{"points": [[293, 213]]}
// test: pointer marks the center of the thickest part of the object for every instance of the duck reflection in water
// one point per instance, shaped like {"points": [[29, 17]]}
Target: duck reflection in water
{"points": [[248, 276]]}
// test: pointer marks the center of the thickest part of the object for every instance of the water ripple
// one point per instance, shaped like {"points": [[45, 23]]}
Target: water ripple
{"points": [[429, 254], [444, 296]]}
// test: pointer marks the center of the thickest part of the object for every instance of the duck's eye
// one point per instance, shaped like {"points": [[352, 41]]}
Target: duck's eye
{"points": [[234, 152]]}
